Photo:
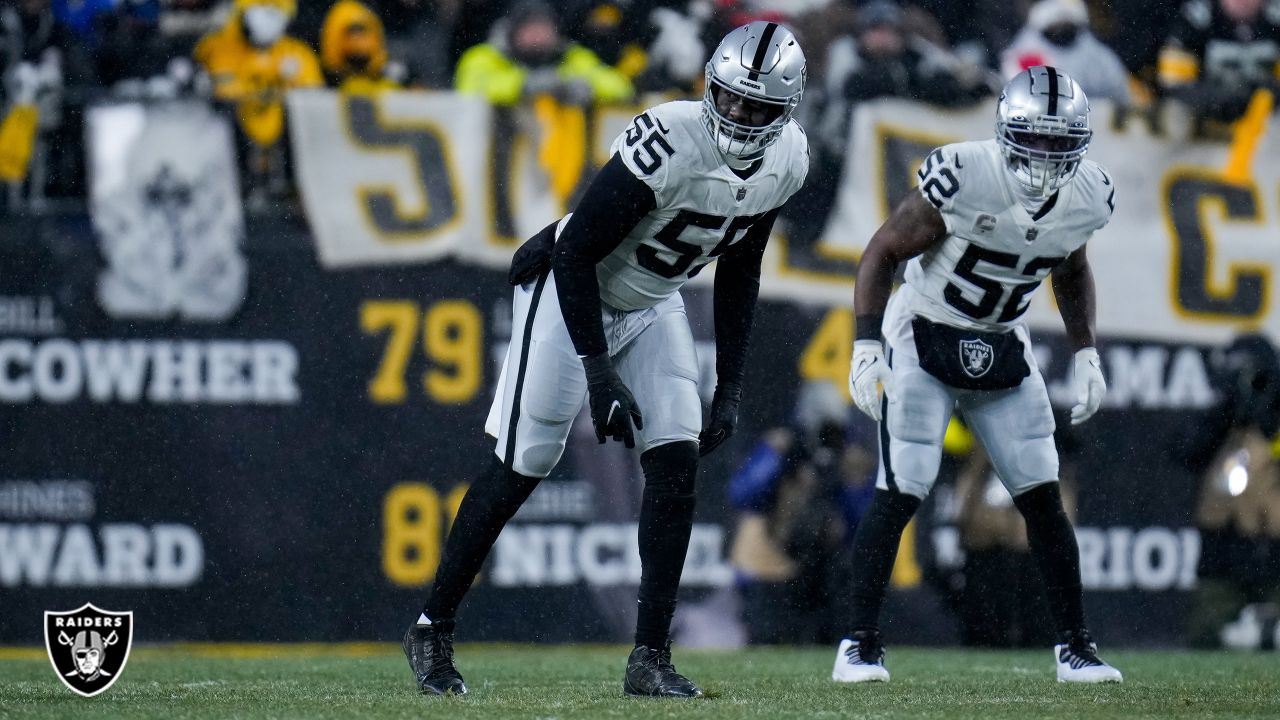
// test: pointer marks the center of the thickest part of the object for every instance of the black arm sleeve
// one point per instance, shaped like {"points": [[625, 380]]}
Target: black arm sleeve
{"points": [[612, 205], [737, 285]]}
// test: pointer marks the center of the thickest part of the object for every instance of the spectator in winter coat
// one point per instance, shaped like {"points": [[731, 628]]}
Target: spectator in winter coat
{"points": [[1057, 33]]}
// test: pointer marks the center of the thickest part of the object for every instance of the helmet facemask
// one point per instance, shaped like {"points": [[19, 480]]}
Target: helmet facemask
{"points": [[744, 140], [1043, 155]]}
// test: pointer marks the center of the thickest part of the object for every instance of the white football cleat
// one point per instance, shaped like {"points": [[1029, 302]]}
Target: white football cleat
{"points": [[1077, 661], [860, 659]]}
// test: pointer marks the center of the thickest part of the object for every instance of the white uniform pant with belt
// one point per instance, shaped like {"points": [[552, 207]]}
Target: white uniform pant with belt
{"points": [[543, 386], [1015, 425]]}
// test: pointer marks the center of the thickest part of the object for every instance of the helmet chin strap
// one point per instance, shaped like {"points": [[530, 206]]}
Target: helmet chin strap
{"points": [[741, 163], [1030, 197]]}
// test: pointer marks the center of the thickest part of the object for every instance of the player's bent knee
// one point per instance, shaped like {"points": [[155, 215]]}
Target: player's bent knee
{"points": [[671, 467], [915, 466], [538, 460], [918, 490], [1035, 462]]}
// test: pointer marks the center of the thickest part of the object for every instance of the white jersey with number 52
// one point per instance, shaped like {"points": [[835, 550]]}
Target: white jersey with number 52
{"points": [[996, 252], [703, 207]]}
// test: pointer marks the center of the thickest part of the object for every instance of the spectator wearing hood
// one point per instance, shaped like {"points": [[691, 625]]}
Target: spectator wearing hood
{"points": [[529, 63], [885, 59], [1057, 33], [252, 63], [353, 49], [528, 55]]}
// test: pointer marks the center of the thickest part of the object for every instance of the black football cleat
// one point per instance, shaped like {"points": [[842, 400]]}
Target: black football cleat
{"points": [[651, 674], [430, 654]]}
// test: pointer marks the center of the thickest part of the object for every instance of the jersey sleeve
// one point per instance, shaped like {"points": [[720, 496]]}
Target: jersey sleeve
{"points": [[1106, 197], [940, 177], [800, 160], [647, 147]]}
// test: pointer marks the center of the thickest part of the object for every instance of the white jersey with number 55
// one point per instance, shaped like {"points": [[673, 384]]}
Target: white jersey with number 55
{"points": [[703, 206], [997, 252]]}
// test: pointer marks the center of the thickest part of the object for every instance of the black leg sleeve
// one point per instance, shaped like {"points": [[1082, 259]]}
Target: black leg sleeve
{"points": [[486, 508], [875, 547], [1053, 545], [666, 519]]}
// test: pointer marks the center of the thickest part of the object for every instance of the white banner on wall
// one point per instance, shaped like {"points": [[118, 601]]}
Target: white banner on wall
{"points": [[415, 177], [392, 179], [166, 211], [1188, 256]]}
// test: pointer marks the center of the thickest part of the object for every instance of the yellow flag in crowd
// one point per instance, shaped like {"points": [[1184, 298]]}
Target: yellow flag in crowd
{"points": [[17, 140], [564, 146]]}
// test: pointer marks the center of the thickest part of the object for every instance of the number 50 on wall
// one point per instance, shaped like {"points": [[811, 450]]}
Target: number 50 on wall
{"points": [[452, 339]]}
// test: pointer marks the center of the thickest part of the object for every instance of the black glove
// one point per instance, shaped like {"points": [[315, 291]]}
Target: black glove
{"points": [[533, 258], [724, 418], [613, 409]]}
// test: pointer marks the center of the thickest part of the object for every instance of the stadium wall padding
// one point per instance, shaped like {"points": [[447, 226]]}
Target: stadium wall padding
{"points": [[287, 472]]}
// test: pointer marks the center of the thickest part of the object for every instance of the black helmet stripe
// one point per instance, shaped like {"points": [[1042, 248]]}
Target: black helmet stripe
{"points": [[762, 51], [1053, 89]]}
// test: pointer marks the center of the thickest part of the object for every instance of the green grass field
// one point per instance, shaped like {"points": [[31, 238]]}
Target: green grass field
{"points": [[372, 680]]}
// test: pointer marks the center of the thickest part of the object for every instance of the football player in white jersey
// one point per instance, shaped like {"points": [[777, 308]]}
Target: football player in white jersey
{"points": [[989, 222], [598, 316]]}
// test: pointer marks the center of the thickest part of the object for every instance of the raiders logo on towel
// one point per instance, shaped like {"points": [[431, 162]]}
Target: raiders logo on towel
{"points": [[975, 357]]}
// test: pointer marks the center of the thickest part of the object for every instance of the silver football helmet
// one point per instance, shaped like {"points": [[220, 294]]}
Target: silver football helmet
{"points": [[762, 63], [1042, 125]]}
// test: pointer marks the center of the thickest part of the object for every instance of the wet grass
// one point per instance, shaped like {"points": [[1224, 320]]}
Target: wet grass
{"points": [[373, 681]]}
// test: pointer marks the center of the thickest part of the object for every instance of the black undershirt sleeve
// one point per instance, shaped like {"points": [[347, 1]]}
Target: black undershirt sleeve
{"points": [[737, 285], [613, 204]]}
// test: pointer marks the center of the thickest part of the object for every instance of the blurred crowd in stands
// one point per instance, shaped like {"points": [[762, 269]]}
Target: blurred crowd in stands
{"points": [[58, 56]]}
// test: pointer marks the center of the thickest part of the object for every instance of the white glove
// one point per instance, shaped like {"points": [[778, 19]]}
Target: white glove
{"points": [[868, 370], [1090, 385]]}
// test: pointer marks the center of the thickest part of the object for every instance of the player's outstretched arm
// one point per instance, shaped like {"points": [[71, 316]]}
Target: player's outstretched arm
{"points": [[1074, 289], [737, 286], [915, 226]]}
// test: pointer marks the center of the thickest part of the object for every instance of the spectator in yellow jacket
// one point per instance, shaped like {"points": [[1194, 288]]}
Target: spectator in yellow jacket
{"points": [[252, 63], [528, 61], [529, 56], [353, 49]]}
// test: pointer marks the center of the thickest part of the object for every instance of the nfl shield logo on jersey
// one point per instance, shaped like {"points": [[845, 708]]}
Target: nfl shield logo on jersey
{"points": [[1032, 234], [88, 646], [975, 357]]}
